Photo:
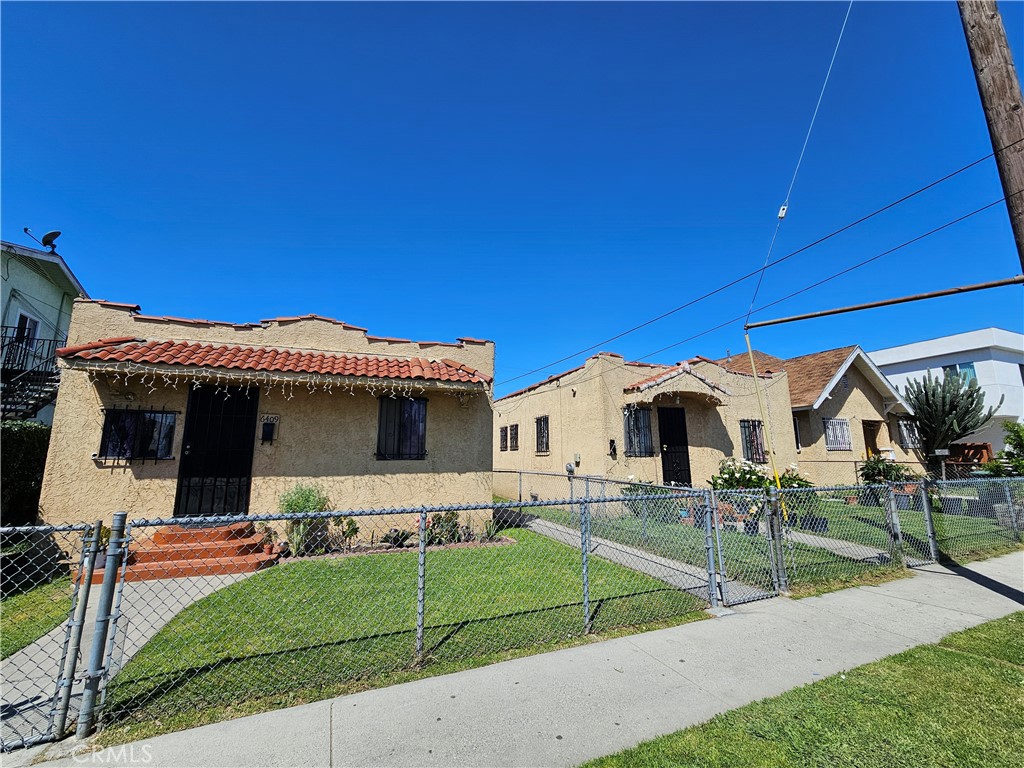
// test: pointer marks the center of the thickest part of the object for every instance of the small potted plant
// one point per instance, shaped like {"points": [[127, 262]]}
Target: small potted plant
{"points": [[269, 538]]}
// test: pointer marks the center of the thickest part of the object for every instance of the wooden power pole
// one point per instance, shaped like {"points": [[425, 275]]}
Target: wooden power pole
{"points": [[1002, 102]]}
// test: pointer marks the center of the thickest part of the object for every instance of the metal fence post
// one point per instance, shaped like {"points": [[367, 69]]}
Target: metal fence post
{"points": [[520, 475], [892, 519], [585, 551], [776, 533], [87, 713], [421, 586], [709, 546], [590, 512], [723, 575], [67, 682], [929, 521], [1011, 511]]}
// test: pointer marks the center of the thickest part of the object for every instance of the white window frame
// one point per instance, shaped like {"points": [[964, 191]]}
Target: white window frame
{"points": [[837, 435]]}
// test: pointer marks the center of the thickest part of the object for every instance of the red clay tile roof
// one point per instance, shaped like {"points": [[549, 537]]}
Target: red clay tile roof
{"points": [[270, 359], [105, 303]]}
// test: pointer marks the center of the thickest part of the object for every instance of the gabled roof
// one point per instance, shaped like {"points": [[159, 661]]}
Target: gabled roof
{"points": [[813, 377], [270, 359], [669, 374], [52, 264]]}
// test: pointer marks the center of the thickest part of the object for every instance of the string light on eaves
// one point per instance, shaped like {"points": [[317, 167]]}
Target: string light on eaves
{"points": [[271, 384]]}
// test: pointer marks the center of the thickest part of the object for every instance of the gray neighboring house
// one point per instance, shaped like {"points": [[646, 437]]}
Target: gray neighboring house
{"points": [[993, 356], [39, 290]]}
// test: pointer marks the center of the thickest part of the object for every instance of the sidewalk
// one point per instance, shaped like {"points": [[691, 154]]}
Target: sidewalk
{"points": [[561, 708]]}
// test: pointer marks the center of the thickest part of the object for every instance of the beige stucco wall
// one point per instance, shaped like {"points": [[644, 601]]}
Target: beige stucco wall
{"points": [[328, 438], [585, 413], [857, 401]]}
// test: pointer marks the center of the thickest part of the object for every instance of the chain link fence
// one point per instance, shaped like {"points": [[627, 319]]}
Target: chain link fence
{"points": [[43, 589], [215, 617], [301, 607]]}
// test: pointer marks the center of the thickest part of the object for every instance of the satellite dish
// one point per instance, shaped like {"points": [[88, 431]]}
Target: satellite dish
{"points": [[50, 238]]}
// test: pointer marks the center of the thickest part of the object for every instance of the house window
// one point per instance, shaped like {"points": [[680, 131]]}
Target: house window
{"points": [[837, 435], [27, 331], [543, 435], [966, 370], [137, 435], [752, 437], [909, 436], [513, 437], [796, 433], [503, 439], [638, 432], [402, 428]]}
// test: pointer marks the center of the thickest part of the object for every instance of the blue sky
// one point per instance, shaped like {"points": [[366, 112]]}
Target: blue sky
{"points": [[544, 175]]}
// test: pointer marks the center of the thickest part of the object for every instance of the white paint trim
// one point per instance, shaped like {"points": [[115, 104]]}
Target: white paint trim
{"points": [[834, 381]]}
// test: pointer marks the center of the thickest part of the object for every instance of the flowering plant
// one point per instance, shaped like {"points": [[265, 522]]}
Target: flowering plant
{"points": [[738, 473]]}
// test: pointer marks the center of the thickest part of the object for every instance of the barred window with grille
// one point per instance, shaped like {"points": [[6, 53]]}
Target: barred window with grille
{"points": [[503, 439], [639, 441], [137, 435], [837, 435], [513, 437], [543, 439], [909, 436], [752, 437], [402, 428]]}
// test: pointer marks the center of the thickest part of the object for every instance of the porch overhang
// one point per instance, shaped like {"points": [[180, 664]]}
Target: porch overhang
{"points": [[153, 362], [680, 382]]}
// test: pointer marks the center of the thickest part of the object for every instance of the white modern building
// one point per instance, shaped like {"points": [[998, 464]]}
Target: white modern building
{"points": [[993, 356]]}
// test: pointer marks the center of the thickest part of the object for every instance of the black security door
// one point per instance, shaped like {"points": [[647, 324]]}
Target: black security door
{"points": [[675, 451], [216, 455]]}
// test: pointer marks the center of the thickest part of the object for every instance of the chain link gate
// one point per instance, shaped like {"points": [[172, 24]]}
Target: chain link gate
{"points": [[45, 575], [746, 551]]}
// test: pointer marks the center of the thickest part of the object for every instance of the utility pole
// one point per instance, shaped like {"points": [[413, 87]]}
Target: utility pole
{"points": [[1001, 100]]}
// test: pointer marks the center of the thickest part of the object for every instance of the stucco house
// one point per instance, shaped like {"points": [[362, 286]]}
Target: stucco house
{"points": [[992, 356], [615, 418], [38, 293], [163, 416], [844, 410]]}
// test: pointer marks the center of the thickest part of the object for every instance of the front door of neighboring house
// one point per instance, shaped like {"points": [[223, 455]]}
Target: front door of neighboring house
{"points": [[675, 449], [871, 433], [18, 355], [215, 471]]}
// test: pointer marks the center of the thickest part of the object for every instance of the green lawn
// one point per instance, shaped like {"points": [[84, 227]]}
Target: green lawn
{"points": [[27, 616], [960, 536], [958, 703], [311, 629], [811, 570]]}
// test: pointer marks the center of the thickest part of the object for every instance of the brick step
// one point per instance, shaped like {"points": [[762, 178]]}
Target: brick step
{"points": [[178, 569], [189, 550], [180, 535]]}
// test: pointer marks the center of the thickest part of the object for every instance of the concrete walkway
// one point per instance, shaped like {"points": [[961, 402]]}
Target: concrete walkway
{"points": [[30, 675], [683, 576], [561, 708]]}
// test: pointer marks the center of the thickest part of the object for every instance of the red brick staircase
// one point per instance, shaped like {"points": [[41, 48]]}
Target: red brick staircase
{"points": [[176, 552]]}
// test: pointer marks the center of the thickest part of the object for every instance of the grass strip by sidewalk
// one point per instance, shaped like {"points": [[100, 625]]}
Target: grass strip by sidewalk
{"points": [[27, 616], [956, 703]]}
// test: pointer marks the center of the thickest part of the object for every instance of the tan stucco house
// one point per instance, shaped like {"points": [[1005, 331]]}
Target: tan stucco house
{"points": [[163, 416], [656, 423], [844, 410]]}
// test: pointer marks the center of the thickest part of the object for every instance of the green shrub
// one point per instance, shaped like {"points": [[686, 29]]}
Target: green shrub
{"points": [[306, 537], [793, 479], [878, 469], [443, 528], [21, 472]]}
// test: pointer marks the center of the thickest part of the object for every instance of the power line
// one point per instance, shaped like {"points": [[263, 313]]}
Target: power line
{"points": [[771, 264], [799, 162], [805, 289]]}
